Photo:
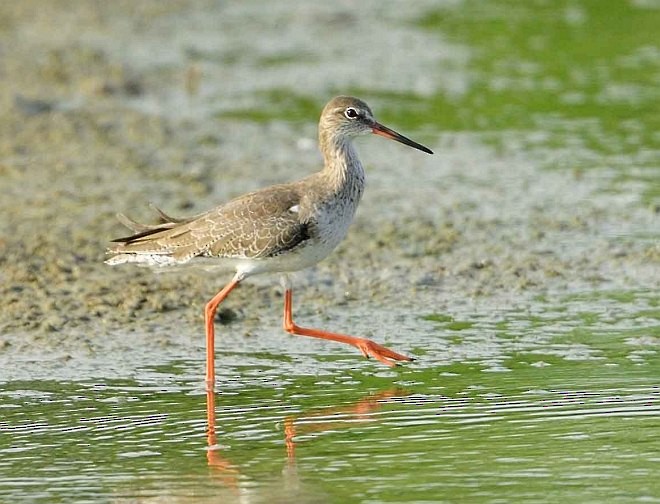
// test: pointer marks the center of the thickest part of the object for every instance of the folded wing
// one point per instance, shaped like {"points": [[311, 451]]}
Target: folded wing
{"points": [[257, 225]]}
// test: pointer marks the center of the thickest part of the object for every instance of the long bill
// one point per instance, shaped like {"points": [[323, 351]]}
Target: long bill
{"points": [[384, 131]]}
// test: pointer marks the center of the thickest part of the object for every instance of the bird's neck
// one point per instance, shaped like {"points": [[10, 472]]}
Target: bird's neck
{"points": [[343, 171]]}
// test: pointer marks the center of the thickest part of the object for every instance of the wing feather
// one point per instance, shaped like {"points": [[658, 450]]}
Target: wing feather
{"points": [[257, 225]]}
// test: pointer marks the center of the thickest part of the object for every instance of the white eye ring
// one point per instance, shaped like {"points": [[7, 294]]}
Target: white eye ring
{"points": [[351, 113]]}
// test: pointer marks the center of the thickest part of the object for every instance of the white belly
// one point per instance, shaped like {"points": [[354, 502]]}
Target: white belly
{"points": [[331, 228]]}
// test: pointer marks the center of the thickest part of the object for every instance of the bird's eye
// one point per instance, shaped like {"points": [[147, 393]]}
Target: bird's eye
{"points": [[351, 113]]}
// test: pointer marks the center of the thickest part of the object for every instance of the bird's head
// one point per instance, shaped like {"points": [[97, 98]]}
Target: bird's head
{"points": [[345, 116]]}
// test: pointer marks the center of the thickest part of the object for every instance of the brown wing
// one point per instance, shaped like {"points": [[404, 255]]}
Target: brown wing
{"points": [[256, 225]]}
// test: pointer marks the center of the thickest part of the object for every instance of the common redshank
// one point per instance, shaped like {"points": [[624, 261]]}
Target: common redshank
{"points": [[279, 229]]}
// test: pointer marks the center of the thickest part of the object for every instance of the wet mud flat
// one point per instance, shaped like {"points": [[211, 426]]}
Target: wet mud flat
{"points": [[89, 126]]}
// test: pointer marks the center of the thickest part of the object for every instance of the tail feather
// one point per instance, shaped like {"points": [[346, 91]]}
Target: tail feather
{"points": [[140, 247], [168, 218], [141, 259], [142, 230]]}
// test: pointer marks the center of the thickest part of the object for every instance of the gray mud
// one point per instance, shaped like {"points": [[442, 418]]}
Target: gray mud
{"points": [[111, 105]]}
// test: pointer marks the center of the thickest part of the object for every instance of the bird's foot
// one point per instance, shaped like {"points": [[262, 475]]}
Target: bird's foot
{"points": [[380, 353]]}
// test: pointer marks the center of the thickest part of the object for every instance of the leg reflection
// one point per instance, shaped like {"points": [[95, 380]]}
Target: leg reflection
{"points": [[316, 420], [222, 468], [333, 418]]}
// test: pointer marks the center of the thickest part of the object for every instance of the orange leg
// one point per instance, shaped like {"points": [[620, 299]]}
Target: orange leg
{"points": [[367, 347], [209, 315]]}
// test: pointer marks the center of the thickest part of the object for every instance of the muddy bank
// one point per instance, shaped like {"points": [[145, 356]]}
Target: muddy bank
{"points": [[92, 123]]}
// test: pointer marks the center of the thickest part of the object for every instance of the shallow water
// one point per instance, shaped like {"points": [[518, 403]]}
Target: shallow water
{"points": [[558, 404], [427, 435], [520, 266]]}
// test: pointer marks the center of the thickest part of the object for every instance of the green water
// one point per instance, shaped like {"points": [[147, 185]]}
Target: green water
{"points": [[559, 400], [558, 404], [568, 431]]}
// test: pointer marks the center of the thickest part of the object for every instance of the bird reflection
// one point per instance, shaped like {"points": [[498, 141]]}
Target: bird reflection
{"points": [[334, 418], [313, 421]]}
